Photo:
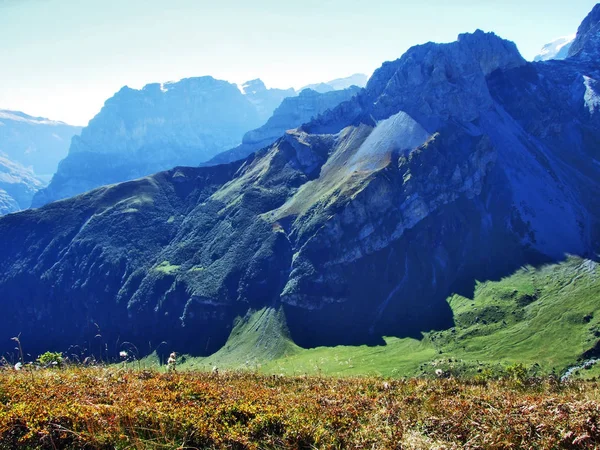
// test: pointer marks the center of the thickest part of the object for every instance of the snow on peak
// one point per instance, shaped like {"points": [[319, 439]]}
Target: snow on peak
{"points": [[557, 49]]}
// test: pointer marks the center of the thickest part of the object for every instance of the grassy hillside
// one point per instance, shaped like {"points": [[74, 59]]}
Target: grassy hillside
{"points": [[545, 318]]}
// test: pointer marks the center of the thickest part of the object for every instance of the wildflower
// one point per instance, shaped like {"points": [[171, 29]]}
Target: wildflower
{"points": [[123, 354], [439, 372], [18, 366], [215, 370], [172, 362]]}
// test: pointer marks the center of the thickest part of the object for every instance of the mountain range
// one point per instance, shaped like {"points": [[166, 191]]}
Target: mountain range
{"points": [[30, 150], [140, 132], [457, 162]]}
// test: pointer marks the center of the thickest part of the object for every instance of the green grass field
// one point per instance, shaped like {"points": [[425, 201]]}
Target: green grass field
{"points": [[545, 318]]}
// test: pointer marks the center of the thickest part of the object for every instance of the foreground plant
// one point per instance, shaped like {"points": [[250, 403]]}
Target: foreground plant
{"points": [[97, 408]]}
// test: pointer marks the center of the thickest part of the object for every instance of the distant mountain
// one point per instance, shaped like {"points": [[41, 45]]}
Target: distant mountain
{"points": [[17, 186], [265, 100], [35, 142], [293, 112], [358, 79], [557, 49], [140, 132], [457, 163]]}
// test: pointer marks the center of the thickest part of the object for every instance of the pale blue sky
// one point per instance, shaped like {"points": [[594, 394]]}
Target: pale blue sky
{"points": [[63, 58]]}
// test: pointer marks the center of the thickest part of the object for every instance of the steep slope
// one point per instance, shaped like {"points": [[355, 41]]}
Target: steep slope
{"points": [[140, 132], [35, 142], [265, 100], [17, 186], [293, 112], [458, 162], [557, 49]]}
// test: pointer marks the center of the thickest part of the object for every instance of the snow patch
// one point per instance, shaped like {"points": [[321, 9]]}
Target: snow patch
{"points": [[557, 49], [591, 97]]}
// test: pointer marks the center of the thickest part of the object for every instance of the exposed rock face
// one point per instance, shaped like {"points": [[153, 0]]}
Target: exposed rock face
{"points": [[35, 142], [457, 162], [17, 186], [587, 43], [139, 132], [293, 112], [557, 49], [265, 100]]}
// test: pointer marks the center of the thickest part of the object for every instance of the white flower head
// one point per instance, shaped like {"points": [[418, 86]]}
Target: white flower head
{"points": [[18, 366], [123, 354], [439, 372]]}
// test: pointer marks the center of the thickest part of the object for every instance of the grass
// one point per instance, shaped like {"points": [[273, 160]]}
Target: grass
{"points": [[545, 318], [106, 408], [167, 268]]}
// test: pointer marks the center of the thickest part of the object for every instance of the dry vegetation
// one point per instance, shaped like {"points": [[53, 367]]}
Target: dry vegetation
{"points": [[98, 408]]}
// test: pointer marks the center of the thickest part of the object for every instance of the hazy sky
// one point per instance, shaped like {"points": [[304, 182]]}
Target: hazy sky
{"points": [[63, 58]]}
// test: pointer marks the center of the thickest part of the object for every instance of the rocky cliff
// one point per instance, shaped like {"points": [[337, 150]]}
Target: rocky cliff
{"points": [[139, 132], [35, 142], [17, 186], [458, 162], [293, 112]]}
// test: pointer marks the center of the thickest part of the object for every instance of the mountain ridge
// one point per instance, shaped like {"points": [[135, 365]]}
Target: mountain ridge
{"points": [[457, 162]]}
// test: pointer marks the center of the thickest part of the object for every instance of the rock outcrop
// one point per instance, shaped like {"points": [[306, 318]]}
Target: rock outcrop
{"points": [[586, 45], [458, 162]]}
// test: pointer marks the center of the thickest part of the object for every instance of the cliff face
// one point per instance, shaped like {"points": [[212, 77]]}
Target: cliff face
{"points": [[17, 186], [458, 162], [139, 132], [293, 112], [35, 142]]}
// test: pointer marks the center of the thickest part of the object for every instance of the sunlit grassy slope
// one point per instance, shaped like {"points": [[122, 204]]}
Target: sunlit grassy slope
{"points": [[547, 316]]}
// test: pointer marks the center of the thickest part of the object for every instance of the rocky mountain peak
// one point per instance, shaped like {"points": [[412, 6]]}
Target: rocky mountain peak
{"points": [[587, 43], [254, 86], [491, 51]]}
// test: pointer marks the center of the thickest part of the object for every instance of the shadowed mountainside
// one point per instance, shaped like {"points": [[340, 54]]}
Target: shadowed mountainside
{"points": [[457, 162]]}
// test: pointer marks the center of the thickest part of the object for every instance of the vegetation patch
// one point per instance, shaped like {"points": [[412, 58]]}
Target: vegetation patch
{"points": [[167, 268], [98, 408]]}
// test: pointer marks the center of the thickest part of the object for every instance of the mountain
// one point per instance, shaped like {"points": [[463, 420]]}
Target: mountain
{"points": [[358, 79], [139, 132], [587, 42], [293, 112], [457, 162], [35, 142], [265, 100], [17, 186], [557, 49]]}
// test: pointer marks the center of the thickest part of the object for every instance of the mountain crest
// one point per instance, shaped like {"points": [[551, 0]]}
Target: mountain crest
{"points": [[587, 43]]}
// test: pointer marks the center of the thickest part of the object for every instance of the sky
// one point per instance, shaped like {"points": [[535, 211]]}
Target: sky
{"points": [[63, 58]]}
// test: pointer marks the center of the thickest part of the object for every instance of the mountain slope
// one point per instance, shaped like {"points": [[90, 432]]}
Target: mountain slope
{"points": [[35, 142], [293, 112], [139, 132], [17, 186], [458, 162]]}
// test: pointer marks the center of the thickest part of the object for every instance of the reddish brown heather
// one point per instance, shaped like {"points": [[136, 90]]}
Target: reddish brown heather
{"points": [[108, 408]]}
